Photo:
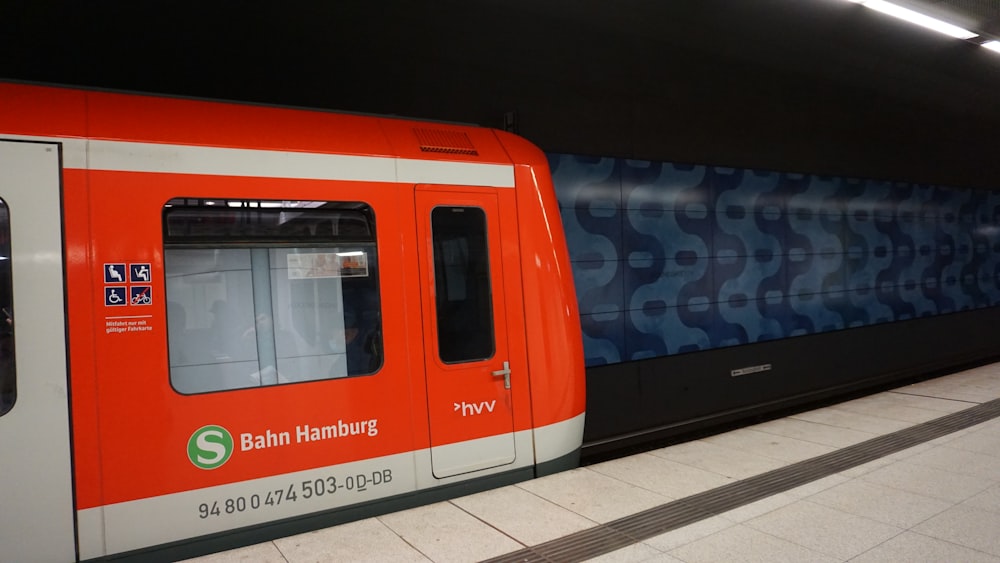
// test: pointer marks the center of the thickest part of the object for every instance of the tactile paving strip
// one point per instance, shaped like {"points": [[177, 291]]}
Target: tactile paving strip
{"points": [[632, 529]]}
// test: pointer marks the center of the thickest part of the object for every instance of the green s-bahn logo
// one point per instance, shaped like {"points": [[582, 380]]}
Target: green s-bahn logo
{"points": [[210, 447]]}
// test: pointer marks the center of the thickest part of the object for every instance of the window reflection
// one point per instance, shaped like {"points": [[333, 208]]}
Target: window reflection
{"points": [[270, 294]]}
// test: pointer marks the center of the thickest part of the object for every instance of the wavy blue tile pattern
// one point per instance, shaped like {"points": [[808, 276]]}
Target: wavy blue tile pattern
{"points": [[673, 258]]}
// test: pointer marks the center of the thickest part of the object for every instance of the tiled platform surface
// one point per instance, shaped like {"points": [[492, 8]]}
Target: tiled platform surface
{"points": [[937, 501]]}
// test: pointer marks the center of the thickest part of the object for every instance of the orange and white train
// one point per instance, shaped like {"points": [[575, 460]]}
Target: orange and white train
{"points": [[223, 322]]}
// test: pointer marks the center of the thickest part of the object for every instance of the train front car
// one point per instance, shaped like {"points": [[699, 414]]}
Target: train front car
{"points": [[552, 323], [276, 320]]}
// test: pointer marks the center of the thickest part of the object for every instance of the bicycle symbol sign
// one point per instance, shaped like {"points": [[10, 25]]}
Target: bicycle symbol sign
{"points": [[141, 295]]}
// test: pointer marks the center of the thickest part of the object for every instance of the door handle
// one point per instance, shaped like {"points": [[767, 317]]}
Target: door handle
{"points": [[505, 372]]}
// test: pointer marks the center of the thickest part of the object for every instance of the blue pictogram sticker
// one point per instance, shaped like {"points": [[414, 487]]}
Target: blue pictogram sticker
{"points": [[114, 296], [114, 273], [139, 273], [141, 295]]}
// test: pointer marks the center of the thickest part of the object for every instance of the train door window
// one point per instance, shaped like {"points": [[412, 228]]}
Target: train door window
{"points": [[269, 292], [464, 297], [8, 381]]}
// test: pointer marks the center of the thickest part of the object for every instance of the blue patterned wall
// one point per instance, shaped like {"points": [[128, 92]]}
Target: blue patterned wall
{"points": [[670, 258]]}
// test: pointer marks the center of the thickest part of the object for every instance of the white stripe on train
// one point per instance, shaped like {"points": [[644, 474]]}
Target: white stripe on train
{"points": [[124, 156]]}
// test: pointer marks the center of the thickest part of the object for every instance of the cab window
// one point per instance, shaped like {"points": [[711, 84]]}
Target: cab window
{"points": [[463, 293], [266, 293]]}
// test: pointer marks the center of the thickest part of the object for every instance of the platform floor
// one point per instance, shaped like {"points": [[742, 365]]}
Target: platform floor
{"points": [[911, 474]]}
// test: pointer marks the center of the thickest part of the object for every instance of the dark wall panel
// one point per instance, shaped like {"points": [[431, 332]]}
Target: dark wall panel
{"points": [[642, 401]]}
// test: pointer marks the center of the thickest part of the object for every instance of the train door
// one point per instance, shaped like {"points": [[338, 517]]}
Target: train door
{"points": [[465, 326], [36, 502]]}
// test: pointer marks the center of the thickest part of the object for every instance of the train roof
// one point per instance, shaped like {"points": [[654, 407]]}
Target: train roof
{"points": [[29, 109]]}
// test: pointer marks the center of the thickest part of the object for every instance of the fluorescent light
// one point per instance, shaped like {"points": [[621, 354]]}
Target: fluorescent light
{"points": [[917, 18], [992, 46]]}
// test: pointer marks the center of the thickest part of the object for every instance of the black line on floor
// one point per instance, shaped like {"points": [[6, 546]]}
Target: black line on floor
{"points": [[641, 526]]}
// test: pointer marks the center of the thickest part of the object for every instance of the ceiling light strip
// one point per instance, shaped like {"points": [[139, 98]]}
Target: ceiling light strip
{"points": [[917, 18]]}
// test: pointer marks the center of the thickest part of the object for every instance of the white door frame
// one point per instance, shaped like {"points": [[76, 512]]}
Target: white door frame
{"points": [[36, 494]]}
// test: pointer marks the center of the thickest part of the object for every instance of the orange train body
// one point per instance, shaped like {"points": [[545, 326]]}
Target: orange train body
{"points": [[419, 417]]}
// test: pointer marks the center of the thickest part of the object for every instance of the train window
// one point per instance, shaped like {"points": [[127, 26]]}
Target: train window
{"points": [[270, 292], [8, 381], [463, 291]]}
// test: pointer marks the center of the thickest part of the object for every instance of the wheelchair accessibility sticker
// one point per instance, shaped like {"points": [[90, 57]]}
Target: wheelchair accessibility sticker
{"points": [[127, 284], [114, 296]]}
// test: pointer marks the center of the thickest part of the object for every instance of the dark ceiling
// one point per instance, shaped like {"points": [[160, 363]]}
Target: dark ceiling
{"points": [[584, 75], [312, 52], [832, 41]]}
